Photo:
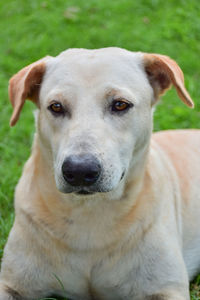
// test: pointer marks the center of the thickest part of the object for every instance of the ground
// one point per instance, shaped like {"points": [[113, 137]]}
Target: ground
{"points": [[32, 29]]}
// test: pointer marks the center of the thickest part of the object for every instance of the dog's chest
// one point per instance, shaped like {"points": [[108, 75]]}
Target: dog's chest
{"points": [[107, 277], [98, 261], [123, 272], [82, 280]]}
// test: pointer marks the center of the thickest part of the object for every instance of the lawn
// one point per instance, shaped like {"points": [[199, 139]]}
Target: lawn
{"points": [[32, 29]]}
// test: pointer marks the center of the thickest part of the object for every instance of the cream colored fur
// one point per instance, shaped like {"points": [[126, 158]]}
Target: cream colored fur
{"points": [[136, 238]]}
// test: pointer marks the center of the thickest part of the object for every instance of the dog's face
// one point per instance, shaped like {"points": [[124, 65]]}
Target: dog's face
{"points": [[95, 113]]}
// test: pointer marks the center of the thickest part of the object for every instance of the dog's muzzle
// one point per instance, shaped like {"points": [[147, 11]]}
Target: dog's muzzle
{"points": [[81, 170]]}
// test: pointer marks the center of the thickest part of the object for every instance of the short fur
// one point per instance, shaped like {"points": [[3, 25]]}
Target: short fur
{"points": [[134, 238]]}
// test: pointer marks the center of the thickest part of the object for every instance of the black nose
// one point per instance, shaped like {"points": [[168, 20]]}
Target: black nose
{"points": [[81, 170]]}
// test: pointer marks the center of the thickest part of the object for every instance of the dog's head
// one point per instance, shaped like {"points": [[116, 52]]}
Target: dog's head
{"points": [[95, 111]]}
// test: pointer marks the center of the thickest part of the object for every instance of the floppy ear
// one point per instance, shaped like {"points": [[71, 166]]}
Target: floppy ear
{"points": [[26, 85], [162, 72]]}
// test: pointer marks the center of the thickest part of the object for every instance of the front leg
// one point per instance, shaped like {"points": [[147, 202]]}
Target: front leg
{"points": [[27, 272]]}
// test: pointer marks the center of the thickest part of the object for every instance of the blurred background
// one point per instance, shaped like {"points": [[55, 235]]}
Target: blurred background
{"points": [[31, 29]]}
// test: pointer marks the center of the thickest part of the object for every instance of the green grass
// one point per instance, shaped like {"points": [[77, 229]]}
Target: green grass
{"points": [[32, 29]]}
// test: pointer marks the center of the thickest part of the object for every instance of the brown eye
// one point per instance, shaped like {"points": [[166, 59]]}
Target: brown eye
{"points": [[120, 105], [56, 108]]}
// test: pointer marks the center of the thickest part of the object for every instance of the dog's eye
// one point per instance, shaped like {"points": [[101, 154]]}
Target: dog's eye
{"points": [[56, 108], [120, 105]]}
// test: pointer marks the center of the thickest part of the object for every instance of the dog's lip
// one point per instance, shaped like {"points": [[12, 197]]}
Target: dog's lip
{"points": [[84, 192]]}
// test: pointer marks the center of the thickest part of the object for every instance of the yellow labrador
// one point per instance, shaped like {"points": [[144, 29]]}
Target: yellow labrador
{"points": [[104, 211]]}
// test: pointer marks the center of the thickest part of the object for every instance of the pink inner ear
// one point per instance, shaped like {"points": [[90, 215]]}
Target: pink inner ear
{"points": [[159, 79], [33, 82], [163, 80], [25, 85], [164, 72]]}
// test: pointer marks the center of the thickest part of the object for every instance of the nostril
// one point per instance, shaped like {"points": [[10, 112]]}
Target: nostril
{"points": [[91, 176], [69, 177]]}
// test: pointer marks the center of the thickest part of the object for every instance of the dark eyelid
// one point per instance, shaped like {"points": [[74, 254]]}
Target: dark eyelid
{"points": [[55, 101], [123, 100]]}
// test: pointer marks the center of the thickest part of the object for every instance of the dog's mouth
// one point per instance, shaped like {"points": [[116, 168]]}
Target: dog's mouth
{"points": [[89, 190], [84, 192]]}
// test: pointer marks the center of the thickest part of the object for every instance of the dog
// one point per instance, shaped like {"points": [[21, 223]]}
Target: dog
{"points": [[104, 209]]}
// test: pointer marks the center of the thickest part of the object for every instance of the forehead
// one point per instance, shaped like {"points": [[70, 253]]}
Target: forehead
{"points": [[95, 69]]}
